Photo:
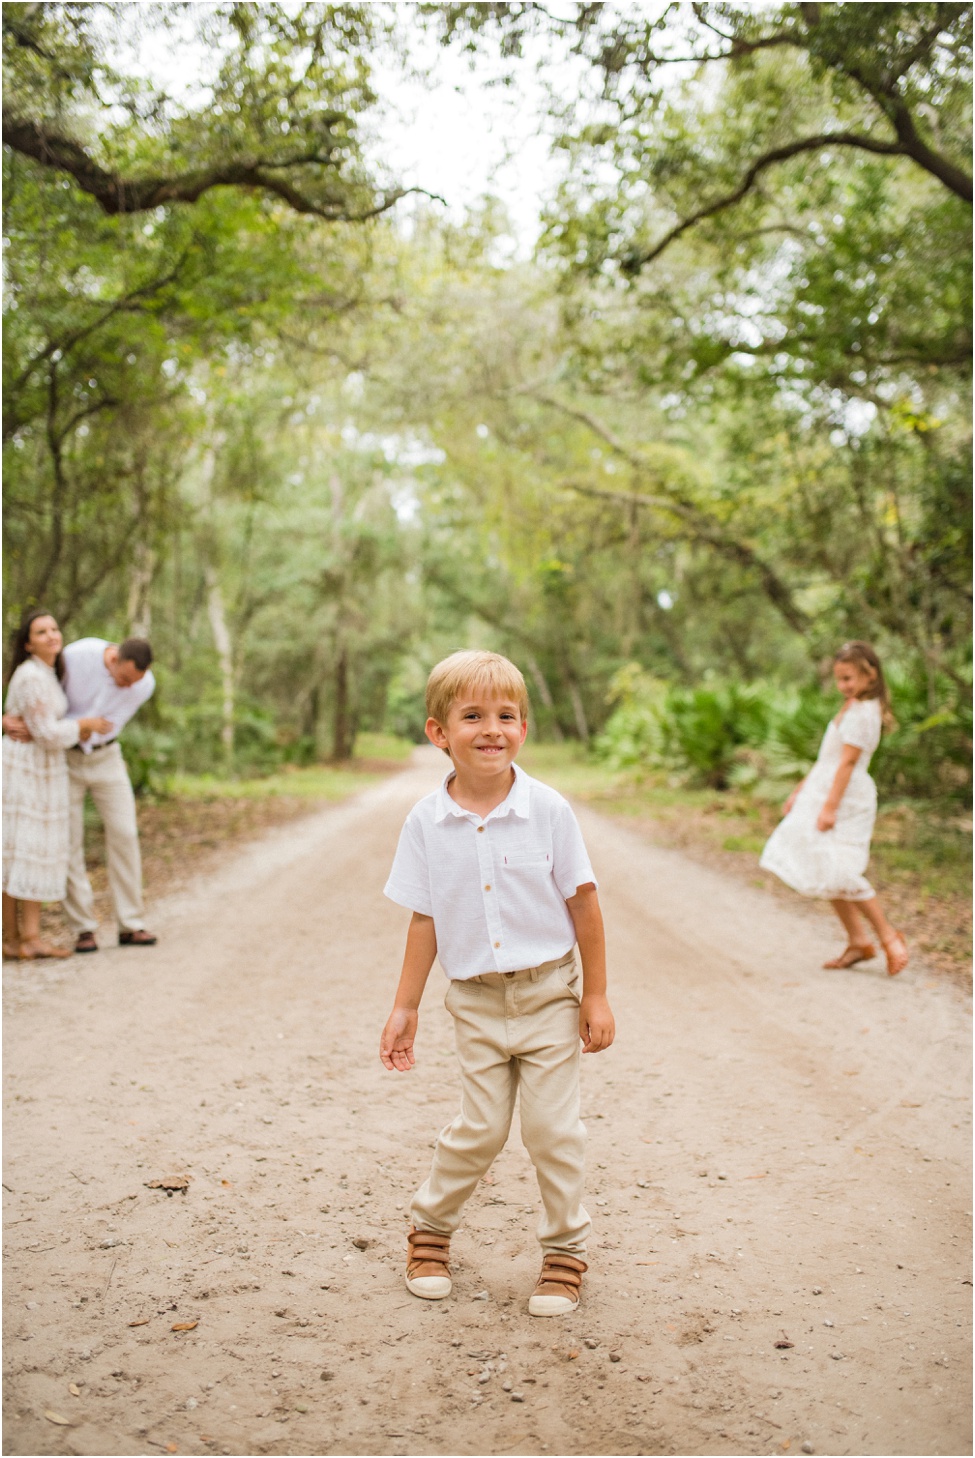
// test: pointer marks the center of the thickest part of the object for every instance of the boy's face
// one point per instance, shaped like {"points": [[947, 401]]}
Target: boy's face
{"points": [[483, 734]]}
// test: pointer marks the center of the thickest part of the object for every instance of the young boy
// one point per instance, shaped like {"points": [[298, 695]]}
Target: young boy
{"points": [[493, 867]]}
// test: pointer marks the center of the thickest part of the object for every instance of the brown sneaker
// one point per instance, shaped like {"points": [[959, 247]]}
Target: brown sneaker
{"points": [[427, 1268], [557, 1288]]}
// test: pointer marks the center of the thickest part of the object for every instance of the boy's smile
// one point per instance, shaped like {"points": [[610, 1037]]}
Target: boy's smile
{"points": [[483, 735]]}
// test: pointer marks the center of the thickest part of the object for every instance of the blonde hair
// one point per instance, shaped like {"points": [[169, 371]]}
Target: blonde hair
{"points": [[865, 657], [473, 669]]}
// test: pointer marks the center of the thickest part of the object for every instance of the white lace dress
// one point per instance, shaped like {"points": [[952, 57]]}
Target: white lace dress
{"points": [[831, 863], [35, 786]]}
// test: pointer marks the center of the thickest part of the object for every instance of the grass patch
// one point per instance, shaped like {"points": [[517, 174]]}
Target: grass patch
{"points": [[377, 755], [317, 782], [387, 747]]}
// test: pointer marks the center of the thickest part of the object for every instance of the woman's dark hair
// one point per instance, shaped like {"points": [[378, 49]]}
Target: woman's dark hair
{"points": [[866, 659], [21, 652]]}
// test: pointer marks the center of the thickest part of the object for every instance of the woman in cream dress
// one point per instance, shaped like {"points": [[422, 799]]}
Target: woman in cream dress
{"points": [[35, 784], [822, 846]]}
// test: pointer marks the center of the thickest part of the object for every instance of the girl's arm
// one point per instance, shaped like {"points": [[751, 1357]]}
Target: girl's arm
{"points": [[827, 816], [396, 1044]]}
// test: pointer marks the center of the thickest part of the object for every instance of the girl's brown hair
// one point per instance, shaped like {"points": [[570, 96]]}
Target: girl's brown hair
{"points": [[864, 656]]}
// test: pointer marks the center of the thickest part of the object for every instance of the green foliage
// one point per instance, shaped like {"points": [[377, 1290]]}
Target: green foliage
{"points": [[707, 727], [760, 736], [310, 461], [697, 732], [929, 755]]}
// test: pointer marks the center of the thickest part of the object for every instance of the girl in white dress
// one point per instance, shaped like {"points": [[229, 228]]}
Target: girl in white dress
{"points": [[822, 846], [35, 785]]}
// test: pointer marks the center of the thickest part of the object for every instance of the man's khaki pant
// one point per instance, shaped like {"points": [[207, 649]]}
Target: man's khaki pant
{"points": [[102, 773], [517, 1033]]}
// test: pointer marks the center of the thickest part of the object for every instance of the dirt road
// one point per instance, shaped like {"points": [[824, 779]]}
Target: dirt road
{"points": [[776, 1154]]}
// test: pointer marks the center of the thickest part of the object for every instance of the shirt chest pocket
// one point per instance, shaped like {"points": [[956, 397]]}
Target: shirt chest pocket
{"points": [[527, 860]]}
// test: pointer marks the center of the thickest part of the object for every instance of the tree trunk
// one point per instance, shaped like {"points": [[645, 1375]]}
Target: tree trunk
{"points": [[221, 638], [341, 723], [312, 710], [578, 709], [139, 614], [545, 694]]}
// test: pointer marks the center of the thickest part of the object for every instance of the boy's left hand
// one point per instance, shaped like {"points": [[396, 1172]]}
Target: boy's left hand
{"points": [[597, 1028], [396, 1043]]}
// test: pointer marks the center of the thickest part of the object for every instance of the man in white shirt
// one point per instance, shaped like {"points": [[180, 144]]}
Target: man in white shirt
{"points": [[114, 681]]}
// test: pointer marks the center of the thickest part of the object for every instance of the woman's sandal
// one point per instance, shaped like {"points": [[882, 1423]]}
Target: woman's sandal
{"points": [[11, 951], [897, 954], [854, 953]]}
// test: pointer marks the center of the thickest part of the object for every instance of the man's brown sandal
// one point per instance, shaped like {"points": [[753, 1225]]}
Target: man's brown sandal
{"points": [[557, 1288], [854, 953], [427, 1264], [86, 942], [138, 938]]}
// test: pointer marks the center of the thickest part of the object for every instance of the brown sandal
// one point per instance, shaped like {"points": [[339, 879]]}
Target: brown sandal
{"points": [[138, 938], [557, 1288], [427, 1264], [854, 953], [897, 954]]}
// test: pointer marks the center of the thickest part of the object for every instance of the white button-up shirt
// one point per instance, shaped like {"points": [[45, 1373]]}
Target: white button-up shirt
{"points": [[496, 888], [91, 689]]}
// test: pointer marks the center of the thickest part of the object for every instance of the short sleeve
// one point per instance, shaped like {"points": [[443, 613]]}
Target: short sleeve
{"points": [[409, 879], [860, 725], [571, 867]]}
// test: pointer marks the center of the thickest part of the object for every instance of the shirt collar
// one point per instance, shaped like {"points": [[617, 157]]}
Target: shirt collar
{"points": [[514, 803]]}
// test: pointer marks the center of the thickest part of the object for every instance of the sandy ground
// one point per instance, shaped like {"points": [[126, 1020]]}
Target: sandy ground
{"points": [[775, 1153]]}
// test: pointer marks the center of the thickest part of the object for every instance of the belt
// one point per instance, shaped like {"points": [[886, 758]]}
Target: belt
{"points": [[533, 973], [95, 747]]}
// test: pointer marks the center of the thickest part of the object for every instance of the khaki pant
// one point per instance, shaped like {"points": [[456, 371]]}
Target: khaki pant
{"points": [[517, 1033], [103, 774]]}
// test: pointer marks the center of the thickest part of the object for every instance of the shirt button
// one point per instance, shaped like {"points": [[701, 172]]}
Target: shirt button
{"points": [[488, 886], [497, 944], [480, 830]]}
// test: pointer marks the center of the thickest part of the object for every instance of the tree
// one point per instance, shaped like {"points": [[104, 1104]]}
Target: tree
{"points": [[278, 114]]}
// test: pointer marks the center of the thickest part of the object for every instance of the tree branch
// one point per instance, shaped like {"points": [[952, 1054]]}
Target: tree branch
{"points": [[633, 262], [116, 195], [128, 302], [706, 530], [883, 90], [913, 145], [702, 526]]}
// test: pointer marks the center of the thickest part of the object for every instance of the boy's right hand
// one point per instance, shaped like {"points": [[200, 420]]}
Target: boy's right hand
{"points": [[396, 1043]]}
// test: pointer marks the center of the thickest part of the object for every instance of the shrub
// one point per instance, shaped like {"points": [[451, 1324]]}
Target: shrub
{"points": [[757, 736]]}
